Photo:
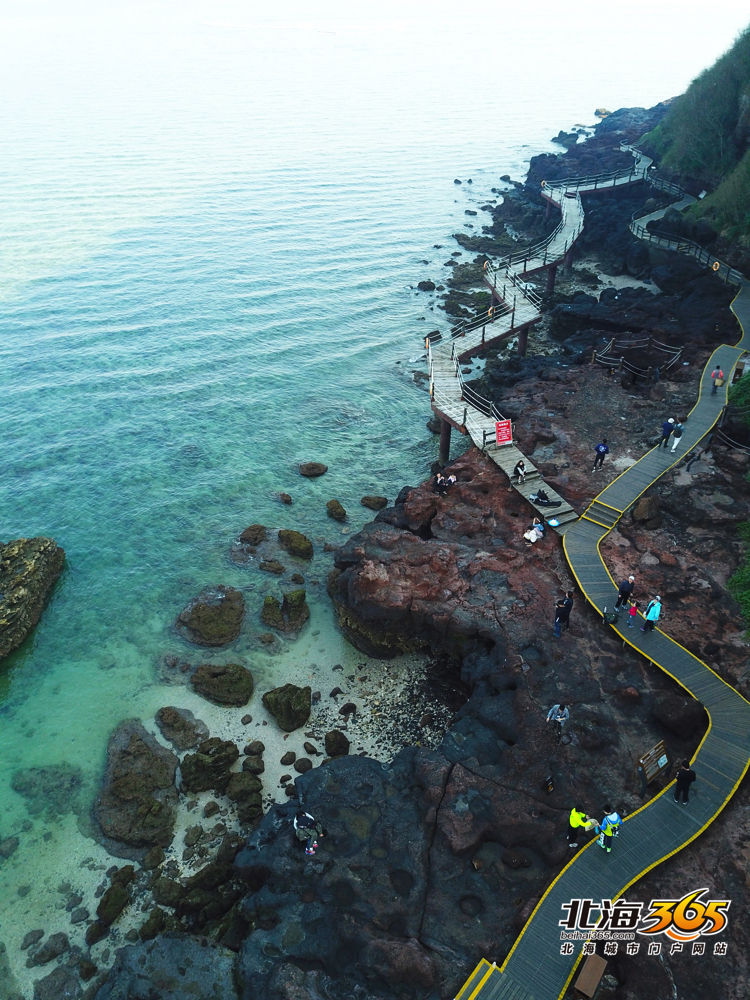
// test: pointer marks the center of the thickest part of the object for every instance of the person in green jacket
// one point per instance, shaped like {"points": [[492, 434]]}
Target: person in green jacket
{"points": [[578, 821]]}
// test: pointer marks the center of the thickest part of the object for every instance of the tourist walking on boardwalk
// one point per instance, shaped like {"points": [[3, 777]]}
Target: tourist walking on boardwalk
{"points": [[685, 778], [608, 828], [651, 614], [717, 377], [666, 430], [625, 592], [558, 715], [578, 821], [676, 434], [632, 613], [600, 451]]}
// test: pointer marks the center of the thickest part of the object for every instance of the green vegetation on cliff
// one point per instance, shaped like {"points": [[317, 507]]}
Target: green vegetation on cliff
{"points": [[704, 140]]}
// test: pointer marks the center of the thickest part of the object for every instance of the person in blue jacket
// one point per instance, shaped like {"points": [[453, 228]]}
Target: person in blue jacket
{"points": [[600, 451], [651, 614]]}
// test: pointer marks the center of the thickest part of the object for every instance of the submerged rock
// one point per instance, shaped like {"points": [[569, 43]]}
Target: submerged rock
{"points": [[289, 615], [295, 543], [137, 803], [29, 568], [180, 727], [52, 790], [214, 617], [312, 469]]}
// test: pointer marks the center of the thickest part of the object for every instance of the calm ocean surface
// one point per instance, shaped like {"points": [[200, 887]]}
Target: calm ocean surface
{"points": [[211, 233]]}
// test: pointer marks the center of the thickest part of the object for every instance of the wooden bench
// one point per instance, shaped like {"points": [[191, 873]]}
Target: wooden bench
{"points": [[590, 975]]}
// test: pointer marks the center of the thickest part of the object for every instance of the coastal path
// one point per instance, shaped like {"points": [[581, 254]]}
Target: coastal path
{"points": [[536, 968], [516, 308]]}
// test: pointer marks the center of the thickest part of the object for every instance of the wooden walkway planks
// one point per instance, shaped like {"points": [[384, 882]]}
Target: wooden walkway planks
{"points": [[662, 827]]}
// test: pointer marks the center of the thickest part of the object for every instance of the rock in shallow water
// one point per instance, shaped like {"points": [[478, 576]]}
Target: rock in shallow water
{"points": [[214, 617], [29, 568]]}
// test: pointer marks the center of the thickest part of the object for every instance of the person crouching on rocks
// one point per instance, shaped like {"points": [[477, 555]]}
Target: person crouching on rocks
{"points": [[307, 829], [535, 532]]}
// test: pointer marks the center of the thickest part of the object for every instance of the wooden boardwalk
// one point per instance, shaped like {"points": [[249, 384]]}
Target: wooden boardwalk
{"points": [[534, 968]]}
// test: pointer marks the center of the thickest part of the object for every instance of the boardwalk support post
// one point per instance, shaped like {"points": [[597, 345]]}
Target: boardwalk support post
{"points": [[523, 341], [551, 275], [445, 442]]}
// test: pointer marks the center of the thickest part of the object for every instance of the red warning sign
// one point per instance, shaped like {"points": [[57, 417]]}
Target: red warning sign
{"points": [[503, 432]]}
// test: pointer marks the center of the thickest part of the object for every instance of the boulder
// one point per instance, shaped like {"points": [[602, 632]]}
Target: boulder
{"points": [[223, 683], [209, 767], [271, 566], [112, 903], [312, 469], [180, 727], [289, 705], [61, 984], [137, 802], [213, 618], [29, 568], [254, 535], [336, 743], [374, 502], [285, 498], [244, 790], [335, 510], [295, 543], [53, 947], [289, 615]]}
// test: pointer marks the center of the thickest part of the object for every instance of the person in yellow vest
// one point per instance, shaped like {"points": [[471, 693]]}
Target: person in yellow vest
{"points": [[578, 821]]}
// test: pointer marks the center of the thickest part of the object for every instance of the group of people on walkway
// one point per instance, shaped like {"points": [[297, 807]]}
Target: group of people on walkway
{"points": [[671, 428], [608, 829], [652, 612]]}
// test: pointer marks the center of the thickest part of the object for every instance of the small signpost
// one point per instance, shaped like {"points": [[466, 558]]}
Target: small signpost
{"points": [[653, 764], [503, 432]]}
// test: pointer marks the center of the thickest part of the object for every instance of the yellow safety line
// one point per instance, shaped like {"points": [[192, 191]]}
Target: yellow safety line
{"points": [[490, 969], [585, 517], [603, 504], [713, 816]]}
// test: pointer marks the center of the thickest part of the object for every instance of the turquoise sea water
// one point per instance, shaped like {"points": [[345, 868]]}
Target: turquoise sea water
{"points": [[211, 233]]}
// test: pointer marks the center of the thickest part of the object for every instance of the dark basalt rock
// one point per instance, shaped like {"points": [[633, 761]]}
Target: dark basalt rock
{"points": [[29, 568], [374, 502], [214, 617], [254, 535], [336, 743], [295, 543], [289, 705], [335, 510], [223, 683], [137, 803], [209, 767], [176, 966], [289, 615], [180, 727], [60, 983], [312, 469]]}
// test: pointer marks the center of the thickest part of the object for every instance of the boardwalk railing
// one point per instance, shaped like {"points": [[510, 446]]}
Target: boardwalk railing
{"points": [[612, 357]]}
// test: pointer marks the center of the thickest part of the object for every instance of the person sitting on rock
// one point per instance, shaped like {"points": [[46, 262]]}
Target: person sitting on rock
{"points": [[535, 532], [307, 829], [441, 486]]}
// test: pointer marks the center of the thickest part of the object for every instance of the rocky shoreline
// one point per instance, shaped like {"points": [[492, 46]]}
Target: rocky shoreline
{"points": [[435, 858]]}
